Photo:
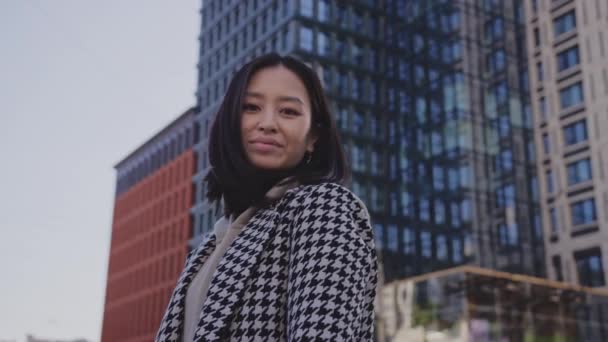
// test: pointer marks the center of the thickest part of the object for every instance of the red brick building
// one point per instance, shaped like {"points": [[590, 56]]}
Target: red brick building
{"points": [[150, 231]]}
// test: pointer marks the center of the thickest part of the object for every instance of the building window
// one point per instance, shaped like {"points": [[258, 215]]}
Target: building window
{"points": [[439, 211], [438, 178], [496, 61], [274, 13], [553, 221], [466, 211], [409, 241], [568, 59], [505, 163], [456, 250], [490, 5], [324, 10], [357, 88], [323, 44], [508, 235], [375, 162], [307, 8], [549, 176], [406, 203], [358, 158], [536, 37], [426, 244], [424, 212], [557, 267], [583, 212], [357, 53], [539, 71], [590, 268], [357, 20], [579, 171], [537, 227], [341, 16], [442, 247], [575, 133], [340, 49], [564, 23], [571, 95], [494, 29], [546, 143], [342, 83], [392, 238], [306, 38], [542, 106], [285, 7], [534, 188], [285, 39]]}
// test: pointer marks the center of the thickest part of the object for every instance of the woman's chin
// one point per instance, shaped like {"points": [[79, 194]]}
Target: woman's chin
{"points": [[269, 165]]}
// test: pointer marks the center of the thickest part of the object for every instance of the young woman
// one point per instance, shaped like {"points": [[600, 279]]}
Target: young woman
{"points": [[293, 258]]}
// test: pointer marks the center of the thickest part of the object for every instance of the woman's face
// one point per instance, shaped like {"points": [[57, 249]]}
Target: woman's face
{"points": [[276, 119]]}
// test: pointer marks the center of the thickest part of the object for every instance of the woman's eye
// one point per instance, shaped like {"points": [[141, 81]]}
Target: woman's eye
{"points": [[290, 111], [248, 107]]}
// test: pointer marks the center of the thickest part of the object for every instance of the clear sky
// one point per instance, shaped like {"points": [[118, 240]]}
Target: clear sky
{"points": [[82, 84]]}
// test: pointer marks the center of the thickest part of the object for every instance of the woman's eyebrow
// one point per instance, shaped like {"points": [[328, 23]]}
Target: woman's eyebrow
{"points": [[254, 94], [291, 99], [281, 98]]}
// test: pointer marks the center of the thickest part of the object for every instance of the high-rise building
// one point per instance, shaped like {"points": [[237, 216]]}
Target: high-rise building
{"points": [[432, 100], [150, 231], [569, 91]]}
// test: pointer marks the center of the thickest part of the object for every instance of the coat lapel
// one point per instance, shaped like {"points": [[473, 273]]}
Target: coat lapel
{"points": [[230, 278], [172, 323]]}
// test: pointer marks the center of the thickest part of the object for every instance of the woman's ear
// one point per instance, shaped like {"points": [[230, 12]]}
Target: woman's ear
{"points": [[313, 136]]}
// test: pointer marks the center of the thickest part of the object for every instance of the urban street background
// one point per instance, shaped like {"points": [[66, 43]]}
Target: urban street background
{"points": [[473, 128]]}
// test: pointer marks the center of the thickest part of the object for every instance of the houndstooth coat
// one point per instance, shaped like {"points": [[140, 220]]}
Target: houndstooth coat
{"points": [[303, 269]]}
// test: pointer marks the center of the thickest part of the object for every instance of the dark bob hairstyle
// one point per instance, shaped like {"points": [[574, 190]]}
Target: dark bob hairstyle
{"points": [[239, 182]]}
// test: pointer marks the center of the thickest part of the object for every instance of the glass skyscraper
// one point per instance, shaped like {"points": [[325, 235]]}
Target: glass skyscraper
{"points": [[431, 98]]}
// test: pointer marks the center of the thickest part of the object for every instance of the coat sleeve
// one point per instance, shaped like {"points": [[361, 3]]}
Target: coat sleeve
{"points": [[332, 269]]}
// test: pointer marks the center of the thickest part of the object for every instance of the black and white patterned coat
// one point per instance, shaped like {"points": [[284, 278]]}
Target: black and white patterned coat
{"points": [[303, 269]]}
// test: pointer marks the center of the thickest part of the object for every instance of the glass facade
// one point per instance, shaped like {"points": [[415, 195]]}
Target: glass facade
{"points": [[437, 145]]}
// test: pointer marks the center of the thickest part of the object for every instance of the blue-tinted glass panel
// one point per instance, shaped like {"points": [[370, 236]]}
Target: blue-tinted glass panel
{"points": [[575, 132], [553, 221], [306, 38], [568, 59], [579, 171], [571, 95], [564, 23], [583, 212], [589, 267]]}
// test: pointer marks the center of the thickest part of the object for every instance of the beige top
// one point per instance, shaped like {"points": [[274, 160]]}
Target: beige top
{"points": [[225, 231]]}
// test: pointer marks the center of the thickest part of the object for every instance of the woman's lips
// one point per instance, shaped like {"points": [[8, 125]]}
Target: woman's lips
{"points": [[260, 146]]}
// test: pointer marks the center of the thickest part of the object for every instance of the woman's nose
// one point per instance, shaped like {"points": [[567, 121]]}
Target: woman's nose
{"points": [[267, 120]]}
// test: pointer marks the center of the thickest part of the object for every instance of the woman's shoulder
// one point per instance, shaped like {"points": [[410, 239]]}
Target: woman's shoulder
{"points": [[327, 195]]}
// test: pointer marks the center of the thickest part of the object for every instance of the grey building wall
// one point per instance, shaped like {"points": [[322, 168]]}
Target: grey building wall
{"points": [[569, 89]]}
